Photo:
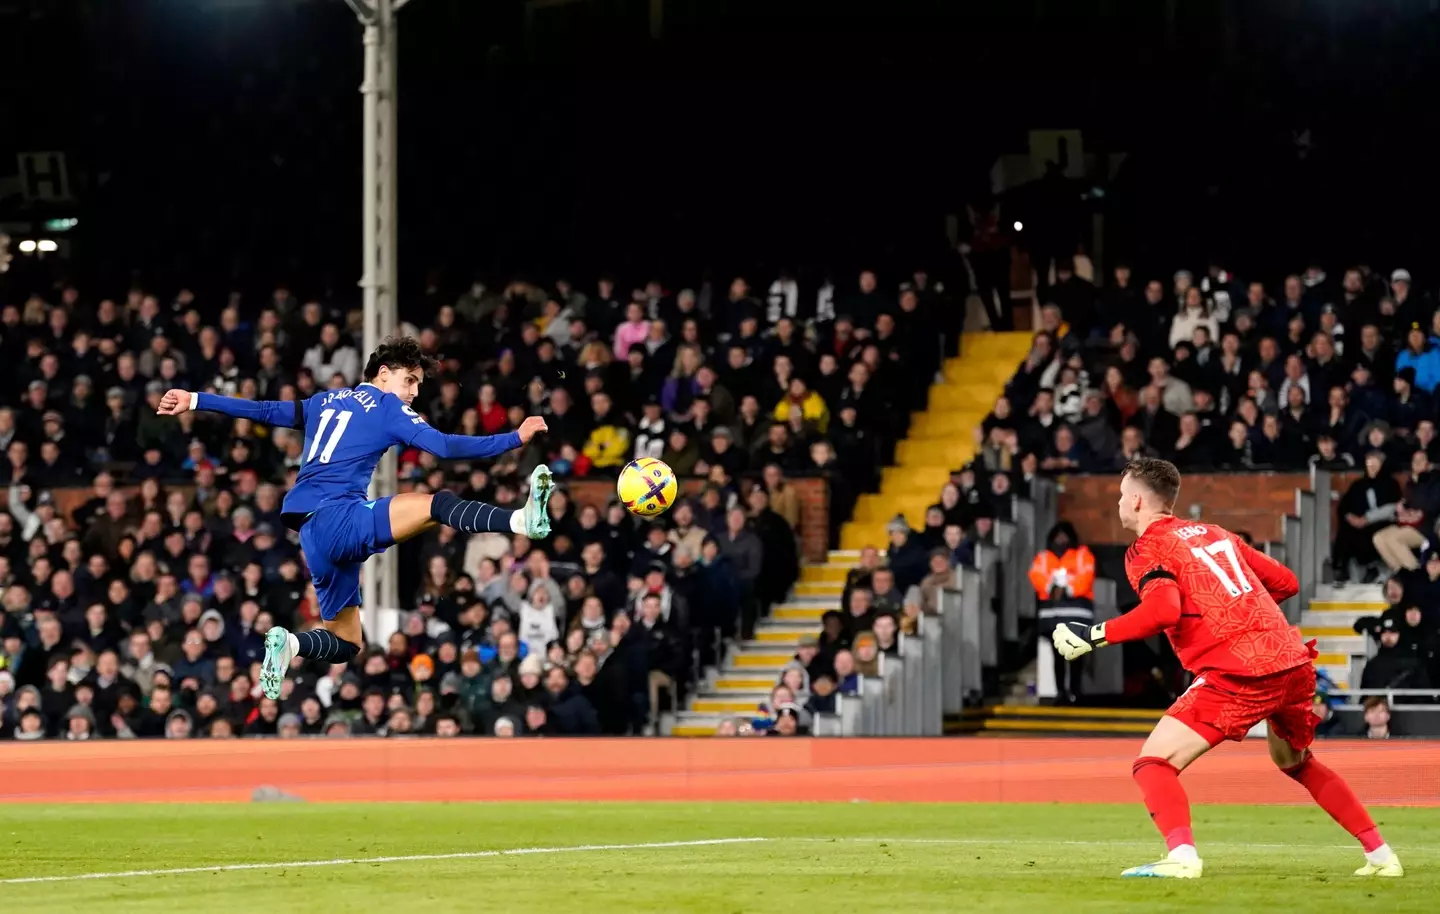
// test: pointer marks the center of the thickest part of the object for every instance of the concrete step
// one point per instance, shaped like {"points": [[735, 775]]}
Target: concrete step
{"points": [[795, 626], [735, 703], [692, 723], [1350, 645], [818, 573], [770, 658], [1362, 607], [937, 472], [955, 397], [1367, 593], [1327, 631], [770, 672], [1331, 619], [809, 613], [820, 588], [742, 682], [996, 374], [939, 422], [1007, 341], [758, 645], [920, 490], [946, 454], [857, 535], [775, 636], [881, 509]]}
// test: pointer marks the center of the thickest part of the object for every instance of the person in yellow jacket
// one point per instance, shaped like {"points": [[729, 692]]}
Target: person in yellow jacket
{"points": [[811, 405], [608, 446], [1063, 575]]}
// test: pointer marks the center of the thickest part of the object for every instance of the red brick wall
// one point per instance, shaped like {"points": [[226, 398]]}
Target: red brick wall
{"points": [[1253, 502], [814, 507]]}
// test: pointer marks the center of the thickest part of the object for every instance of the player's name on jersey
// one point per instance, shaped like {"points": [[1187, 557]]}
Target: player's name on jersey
{"points": [[363, 397], [1186, 533]]}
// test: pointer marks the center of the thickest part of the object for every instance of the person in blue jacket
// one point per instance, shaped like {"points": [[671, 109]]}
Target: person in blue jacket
{"points": [[1420, 354]]}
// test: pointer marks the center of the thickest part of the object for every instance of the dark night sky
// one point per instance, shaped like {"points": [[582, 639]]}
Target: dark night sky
{"points": [[224, 143]]}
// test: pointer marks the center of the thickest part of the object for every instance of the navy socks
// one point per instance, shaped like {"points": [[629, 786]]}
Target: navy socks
{"points": [[321, 644], [469, 516]]}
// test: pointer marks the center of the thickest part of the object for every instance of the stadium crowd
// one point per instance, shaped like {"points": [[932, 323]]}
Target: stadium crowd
{"points": [[1216, 373], [143, 558], [1222, 374]]}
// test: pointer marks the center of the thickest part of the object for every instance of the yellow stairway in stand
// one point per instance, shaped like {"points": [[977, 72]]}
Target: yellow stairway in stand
{"points": [[941, 439], [751, 668]]}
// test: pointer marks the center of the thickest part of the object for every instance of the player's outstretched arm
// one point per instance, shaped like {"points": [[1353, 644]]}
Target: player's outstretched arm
{"points": [[1159, 609], [407, 426], [1279, 581], [286, 413]]}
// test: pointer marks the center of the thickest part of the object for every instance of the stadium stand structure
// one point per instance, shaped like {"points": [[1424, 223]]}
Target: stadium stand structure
{"points": [[941, 439], [1330, 619]]}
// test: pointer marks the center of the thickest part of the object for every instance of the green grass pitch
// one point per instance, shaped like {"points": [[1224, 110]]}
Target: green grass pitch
{"points": [[842, 858]]}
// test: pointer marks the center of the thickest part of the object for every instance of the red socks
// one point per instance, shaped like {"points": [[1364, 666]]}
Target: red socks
{"points": [[1169, 807], [1335, 797]]}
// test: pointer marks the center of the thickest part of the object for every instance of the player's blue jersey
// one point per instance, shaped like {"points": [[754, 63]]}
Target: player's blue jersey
{"points": [[347, 431]]}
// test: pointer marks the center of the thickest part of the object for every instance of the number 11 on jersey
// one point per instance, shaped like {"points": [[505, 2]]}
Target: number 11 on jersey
{"points": [[1235, 585], [329, 450]]}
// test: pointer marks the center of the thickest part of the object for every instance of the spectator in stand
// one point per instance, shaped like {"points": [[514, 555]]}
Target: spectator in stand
{"points": [[1377, 720], [1419, 633], [1414, 516], [1422, 357], [1366, 508], [1063, 576], [1396, 663]]}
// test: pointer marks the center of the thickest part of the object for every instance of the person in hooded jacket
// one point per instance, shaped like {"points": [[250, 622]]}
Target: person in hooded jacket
{"points": [[1063, 575], [795, 677], [1367, 507]]}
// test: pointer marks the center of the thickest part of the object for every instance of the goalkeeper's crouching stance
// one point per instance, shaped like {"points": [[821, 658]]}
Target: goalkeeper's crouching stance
{"points": [[1217, 600]]}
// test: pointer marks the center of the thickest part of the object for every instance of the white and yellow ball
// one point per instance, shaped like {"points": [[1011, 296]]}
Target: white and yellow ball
{"points": [[647, 487]]}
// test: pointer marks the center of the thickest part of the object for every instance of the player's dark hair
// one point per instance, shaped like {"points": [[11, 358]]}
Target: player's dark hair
{"points": [[398, 352], [1159, 476]]}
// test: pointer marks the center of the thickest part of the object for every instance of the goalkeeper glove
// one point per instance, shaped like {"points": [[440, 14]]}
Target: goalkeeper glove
{"points": [[1074, 640]]}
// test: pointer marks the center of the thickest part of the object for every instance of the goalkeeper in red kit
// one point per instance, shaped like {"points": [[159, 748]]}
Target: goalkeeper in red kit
{"points": [[1215, 598]]}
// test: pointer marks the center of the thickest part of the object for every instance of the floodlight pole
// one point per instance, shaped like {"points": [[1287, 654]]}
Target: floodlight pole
{"points": [[380, 576]]}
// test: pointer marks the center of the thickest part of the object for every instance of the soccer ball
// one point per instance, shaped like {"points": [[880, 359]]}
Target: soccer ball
{"points": [[647, 487]]}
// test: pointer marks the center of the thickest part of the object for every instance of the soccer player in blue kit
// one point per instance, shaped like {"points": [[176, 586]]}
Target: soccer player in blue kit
{"points": [[346, 433]]}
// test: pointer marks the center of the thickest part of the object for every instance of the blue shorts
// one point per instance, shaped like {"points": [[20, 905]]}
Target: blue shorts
{"points": [[336, 541]]}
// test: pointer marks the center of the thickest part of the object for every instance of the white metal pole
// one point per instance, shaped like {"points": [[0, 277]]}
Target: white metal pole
{"points": [[369, 279], [380, 280], [388, 255]]}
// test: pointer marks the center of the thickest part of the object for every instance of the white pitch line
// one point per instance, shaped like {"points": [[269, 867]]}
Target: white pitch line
{"points": [[1044, 842], [407, 858], [705, 842]]}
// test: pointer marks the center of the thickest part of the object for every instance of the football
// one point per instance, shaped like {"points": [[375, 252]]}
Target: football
{"points": [[647, 487]]}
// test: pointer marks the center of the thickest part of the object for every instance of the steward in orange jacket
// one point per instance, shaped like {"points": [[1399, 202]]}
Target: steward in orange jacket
{"points": [[1063, 576]]}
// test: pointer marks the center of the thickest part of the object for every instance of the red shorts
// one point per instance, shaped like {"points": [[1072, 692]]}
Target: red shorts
{"points": [[1221, 707]]}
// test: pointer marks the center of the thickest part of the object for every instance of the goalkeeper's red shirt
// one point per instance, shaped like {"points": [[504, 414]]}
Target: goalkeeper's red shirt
{"points": [[1229, 620]]}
